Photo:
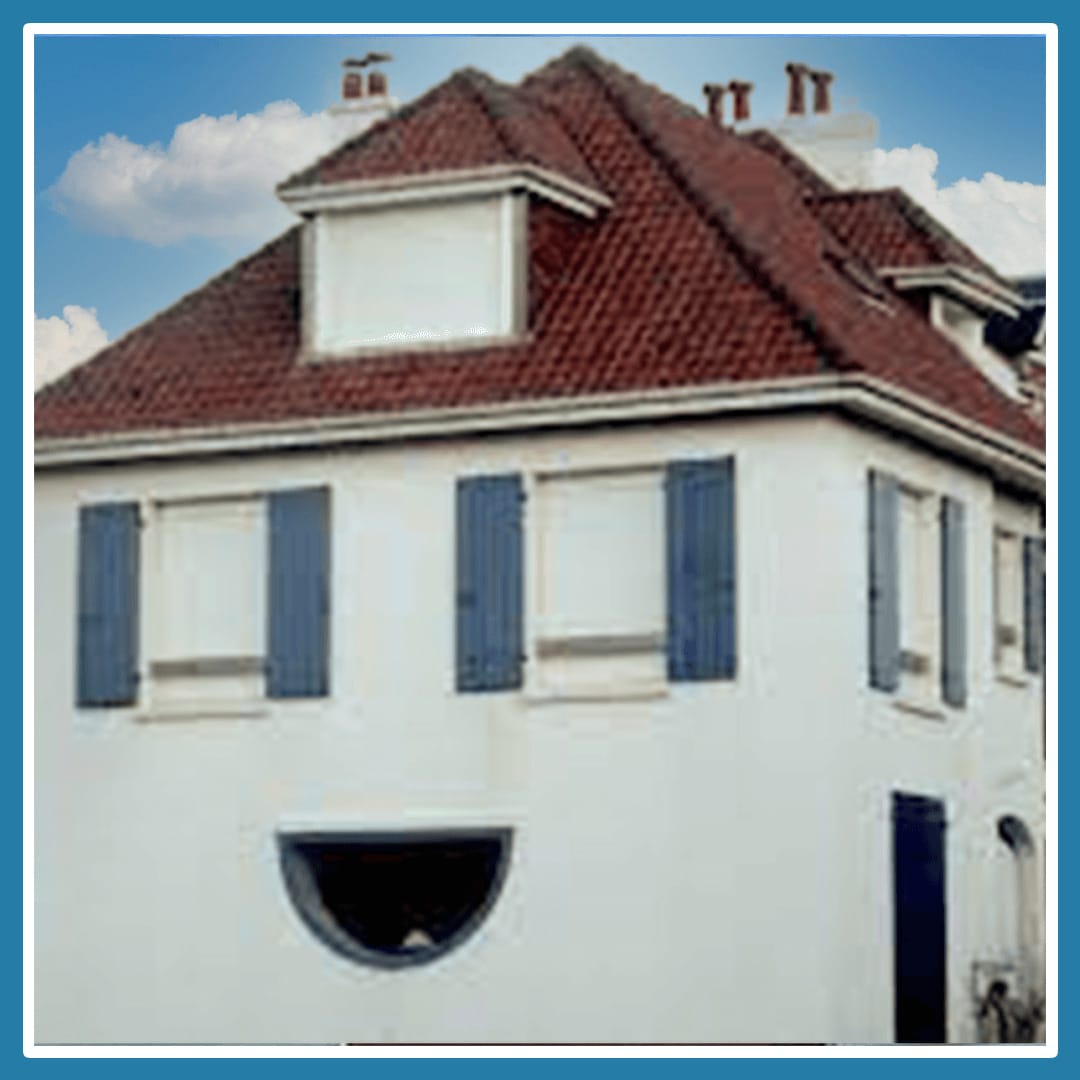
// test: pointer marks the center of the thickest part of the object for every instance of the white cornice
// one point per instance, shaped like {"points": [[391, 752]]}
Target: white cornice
{"points": [[971, 287], [445, 186], [854, 394]]}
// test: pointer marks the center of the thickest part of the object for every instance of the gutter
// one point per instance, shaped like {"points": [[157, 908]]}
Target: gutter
{"points": [[855, 394]]}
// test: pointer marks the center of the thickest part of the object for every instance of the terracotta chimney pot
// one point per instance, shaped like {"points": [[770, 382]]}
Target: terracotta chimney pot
{"points": [[714, 94], [740, 91], [352, 85], [821, 81], [796, 102]]}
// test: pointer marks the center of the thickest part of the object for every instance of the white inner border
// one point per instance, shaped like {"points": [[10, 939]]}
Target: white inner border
{"points": [[1047, 30]]}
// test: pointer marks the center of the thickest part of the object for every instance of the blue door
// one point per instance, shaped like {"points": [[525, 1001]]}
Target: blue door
{"points": [[919, 906]]}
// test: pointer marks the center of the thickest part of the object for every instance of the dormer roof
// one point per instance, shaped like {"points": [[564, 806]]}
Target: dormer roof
{"points": [[467, 123], [889, 229]]}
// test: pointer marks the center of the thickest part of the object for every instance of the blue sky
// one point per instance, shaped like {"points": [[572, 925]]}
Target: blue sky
{"points": [[978, 102]]}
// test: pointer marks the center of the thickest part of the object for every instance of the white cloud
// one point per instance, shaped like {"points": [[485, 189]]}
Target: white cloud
{"points": [[214, 179], [1004, 221], [61, 343]]}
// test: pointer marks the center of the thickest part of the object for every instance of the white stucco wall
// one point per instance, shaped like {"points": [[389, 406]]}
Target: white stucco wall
{"points": [[713, 864]]}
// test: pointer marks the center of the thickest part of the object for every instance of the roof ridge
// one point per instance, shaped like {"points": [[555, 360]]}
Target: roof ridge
{"points": [[837, 196], [805, 318], [484, 87], [176, 307], [771, 143]]}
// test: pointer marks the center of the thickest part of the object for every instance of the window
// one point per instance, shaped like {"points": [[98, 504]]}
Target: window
{"points": [[236, 605], [1008, 603], [920, 590], [404, 276], [917, 592], [1019, 603], [210, 585], [397, 899], [600, 595], [632, 577], [602, 550]]}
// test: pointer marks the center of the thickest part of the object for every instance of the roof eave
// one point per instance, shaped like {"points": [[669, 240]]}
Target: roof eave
{"points": [[444, 186], [970, 287], [1018, 463]]}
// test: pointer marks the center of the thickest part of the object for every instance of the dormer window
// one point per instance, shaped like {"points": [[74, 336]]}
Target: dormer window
{"points": [[395, 277], [958, 302], [435, 260]]}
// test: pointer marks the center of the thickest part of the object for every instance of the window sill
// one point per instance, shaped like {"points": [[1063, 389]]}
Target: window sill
{"points": [[1009, 678], [928, 710], [599, 693], [332, 354], [598, 646], [255, 710]]}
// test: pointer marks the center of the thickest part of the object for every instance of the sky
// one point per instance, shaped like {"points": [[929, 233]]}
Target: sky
{"points": [[155, 157]]}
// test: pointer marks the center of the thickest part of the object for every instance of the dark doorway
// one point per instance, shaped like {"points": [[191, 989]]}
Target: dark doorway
{"points": [[394, 899], [919, 907]]}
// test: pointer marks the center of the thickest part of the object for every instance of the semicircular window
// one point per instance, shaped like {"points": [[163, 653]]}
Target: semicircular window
{"points": [[394, 899]]}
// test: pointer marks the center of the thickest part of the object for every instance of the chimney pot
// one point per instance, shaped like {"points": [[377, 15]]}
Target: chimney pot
{"points": [[796, 102], [352, 85], [740, 92], [714, 95], [821, 81], [377, 84]]}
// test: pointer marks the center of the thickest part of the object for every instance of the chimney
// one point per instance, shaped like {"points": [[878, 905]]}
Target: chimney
{"points": [[740, 92], [796, 99], [714, 95], [365, 96], [821, 81]]}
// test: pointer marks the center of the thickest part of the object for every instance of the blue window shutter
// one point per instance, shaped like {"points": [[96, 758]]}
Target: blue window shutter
{"points": [[1034, 603], [700, 510], [953, 604], [489, 632], [108, 605], [298, 608], [884, 581]]}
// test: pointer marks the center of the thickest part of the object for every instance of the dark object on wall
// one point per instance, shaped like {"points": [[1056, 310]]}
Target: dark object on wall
{"points": [[919, 917]]}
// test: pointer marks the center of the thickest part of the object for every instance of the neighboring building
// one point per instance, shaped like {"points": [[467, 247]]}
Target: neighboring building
{"points": [[583, 583]]}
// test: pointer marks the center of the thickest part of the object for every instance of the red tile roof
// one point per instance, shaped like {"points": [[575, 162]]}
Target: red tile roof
{"points": [[709, 267], [889, 229], [466, 122], [813, 183]]}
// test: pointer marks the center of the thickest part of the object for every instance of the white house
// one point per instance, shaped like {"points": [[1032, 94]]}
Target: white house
{"points": [[582, 583]]}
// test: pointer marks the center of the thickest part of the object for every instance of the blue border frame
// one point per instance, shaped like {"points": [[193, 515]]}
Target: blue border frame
{"points": [[10, 383]]}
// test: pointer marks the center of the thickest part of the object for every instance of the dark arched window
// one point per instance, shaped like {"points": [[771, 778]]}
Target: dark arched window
{"points": [[394, 899]]}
